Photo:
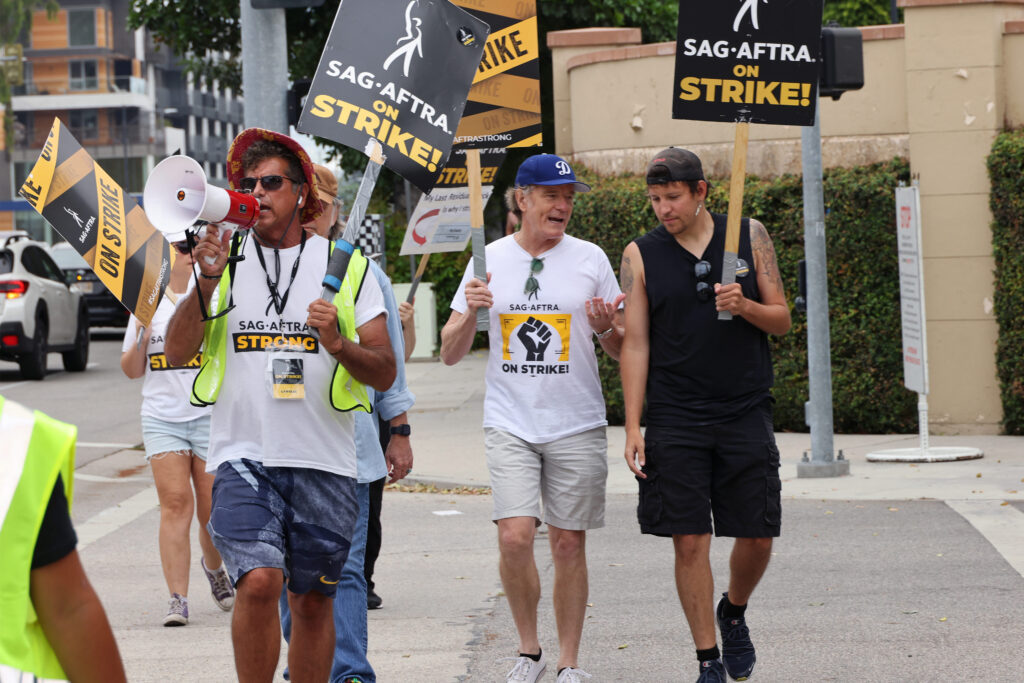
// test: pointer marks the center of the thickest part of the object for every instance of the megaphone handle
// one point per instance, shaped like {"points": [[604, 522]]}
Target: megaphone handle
{"points": [[210, 260]]}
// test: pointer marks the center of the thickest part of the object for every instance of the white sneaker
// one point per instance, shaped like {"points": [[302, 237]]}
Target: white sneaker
{"points": [[572, 675], [527, 670]]}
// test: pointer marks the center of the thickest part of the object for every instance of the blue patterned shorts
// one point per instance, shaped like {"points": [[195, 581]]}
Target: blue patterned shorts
{"points": [[294, 519]]}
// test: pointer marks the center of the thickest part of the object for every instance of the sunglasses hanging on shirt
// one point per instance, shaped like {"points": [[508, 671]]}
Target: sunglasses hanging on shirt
{"points": [[532, 286], [702, 271]]}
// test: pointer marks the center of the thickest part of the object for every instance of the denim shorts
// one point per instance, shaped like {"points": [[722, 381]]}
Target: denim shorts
{"points": [[569, 474], [294, 519], [161, 436]]}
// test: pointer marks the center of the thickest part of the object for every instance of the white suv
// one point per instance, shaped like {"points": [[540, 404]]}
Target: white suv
{"points": [[40, 311]]}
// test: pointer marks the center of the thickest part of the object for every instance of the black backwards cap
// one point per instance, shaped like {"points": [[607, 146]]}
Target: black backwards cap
{"points": [[674, 164]]}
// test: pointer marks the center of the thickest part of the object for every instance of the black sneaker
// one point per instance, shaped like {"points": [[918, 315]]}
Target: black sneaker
{"points": [[373, 601], [712, 671], [737, 651]]}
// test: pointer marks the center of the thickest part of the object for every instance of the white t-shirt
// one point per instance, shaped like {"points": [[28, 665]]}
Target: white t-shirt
{"points": [[165, 390], [542, 380], [248, 422]]}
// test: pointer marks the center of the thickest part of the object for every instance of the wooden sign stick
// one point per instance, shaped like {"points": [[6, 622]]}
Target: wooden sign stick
{"points": [[416, 278], [732, 225], [476, 225]]}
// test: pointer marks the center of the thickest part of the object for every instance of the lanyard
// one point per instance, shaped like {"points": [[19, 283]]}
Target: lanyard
{"points": [[276, 300]]}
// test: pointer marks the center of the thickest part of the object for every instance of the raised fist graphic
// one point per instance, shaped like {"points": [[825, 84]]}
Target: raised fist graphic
{"points": [[535, 336]]}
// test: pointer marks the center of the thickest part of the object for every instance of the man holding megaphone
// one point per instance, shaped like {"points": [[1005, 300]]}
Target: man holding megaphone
{"points": [[284, 370]]}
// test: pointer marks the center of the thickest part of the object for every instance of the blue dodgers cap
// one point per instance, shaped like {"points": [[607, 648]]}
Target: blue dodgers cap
{"points": [[548, 169]]}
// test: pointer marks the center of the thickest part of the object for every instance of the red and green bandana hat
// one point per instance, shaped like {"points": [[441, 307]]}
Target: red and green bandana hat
{"points": [[312, 209]]}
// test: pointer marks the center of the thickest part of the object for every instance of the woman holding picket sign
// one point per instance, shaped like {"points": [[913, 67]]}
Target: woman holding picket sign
{"points": [[176, 435]]}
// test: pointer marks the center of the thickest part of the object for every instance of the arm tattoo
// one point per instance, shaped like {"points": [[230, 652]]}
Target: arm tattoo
{"points": [[626, 273], [764, 253]]}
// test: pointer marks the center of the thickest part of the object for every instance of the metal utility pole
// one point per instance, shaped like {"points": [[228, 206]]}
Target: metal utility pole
{"points": [[264, 67], [818, 408]]}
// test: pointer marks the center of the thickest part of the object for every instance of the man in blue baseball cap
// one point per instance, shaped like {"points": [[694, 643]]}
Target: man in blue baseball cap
{"points": [[548, 294]]}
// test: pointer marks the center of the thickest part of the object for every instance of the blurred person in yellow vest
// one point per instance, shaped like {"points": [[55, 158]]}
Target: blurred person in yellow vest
{"points": [[53, 627]]}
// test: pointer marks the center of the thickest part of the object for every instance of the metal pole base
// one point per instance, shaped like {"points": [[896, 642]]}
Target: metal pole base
{"points": [[819, 469], [929, 454]]}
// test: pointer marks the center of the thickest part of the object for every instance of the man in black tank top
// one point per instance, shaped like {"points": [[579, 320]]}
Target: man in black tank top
{"points": [[709, 448]]}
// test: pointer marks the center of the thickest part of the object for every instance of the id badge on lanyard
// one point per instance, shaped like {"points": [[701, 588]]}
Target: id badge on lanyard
{"points": [[284, 374]]}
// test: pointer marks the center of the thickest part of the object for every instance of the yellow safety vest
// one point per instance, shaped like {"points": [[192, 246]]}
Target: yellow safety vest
{"points": [[346, 393], [34, 449]]}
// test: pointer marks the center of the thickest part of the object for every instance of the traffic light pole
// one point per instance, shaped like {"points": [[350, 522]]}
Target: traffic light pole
{"points": [[264, 67], [818, 408]]}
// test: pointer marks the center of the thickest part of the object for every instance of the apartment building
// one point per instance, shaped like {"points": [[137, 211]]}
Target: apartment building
{"points": [[126, 100]]}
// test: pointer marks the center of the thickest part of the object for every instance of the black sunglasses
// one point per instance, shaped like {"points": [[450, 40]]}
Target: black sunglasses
{"points": [[532, 286], [181, 246], [269, 182], [702, 271]]}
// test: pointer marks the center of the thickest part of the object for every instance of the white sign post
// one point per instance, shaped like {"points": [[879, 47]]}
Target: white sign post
{"points": [[915, 347], [908, 242]]}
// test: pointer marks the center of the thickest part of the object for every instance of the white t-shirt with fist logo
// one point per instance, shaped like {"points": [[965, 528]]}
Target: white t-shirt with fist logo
{"points": [[542, 381]]}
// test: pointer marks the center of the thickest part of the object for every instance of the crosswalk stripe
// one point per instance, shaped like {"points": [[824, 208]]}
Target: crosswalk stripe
{"points": [[1000, 523], [113, 518]]}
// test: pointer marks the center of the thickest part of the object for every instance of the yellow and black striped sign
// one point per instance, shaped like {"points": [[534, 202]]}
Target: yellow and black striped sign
{"points": [[503, 107], [104, 224]]}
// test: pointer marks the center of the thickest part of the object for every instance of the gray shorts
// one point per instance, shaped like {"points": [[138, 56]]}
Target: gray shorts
{"points": [[568, 474]]}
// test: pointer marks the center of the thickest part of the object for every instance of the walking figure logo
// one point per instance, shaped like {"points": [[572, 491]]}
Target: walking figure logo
{"points": [[747, 6], [74, 215], [411, 42]]}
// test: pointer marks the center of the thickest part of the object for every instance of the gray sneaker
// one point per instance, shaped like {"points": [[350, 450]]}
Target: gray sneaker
{"points": [[526, 670], [177, 611], [220, 586]]}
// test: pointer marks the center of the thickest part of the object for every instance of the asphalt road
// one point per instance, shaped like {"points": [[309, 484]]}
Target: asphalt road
{"points": [[859, 589], [101, 402]]}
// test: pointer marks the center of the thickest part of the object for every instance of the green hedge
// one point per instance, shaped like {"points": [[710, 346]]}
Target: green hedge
{"points": [[867, 372], [1006, 172]]}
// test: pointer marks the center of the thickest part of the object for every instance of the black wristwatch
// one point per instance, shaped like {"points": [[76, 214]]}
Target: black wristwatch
{"points": [[401, 430]]}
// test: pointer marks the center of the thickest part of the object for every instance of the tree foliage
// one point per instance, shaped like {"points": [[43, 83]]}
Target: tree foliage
{"points": [[205, 35], [858, 12], [15, 23]]}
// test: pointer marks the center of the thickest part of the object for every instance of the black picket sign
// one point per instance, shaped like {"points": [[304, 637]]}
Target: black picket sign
{"points": [[755, 61], [398, 71]]}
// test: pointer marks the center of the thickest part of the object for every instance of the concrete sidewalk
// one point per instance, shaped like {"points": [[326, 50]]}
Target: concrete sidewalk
{"points": [[448, 448]]}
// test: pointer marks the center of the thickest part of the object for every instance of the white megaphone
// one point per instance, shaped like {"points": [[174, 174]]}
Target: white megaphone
{"points": [[177, 195]]}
